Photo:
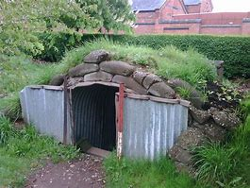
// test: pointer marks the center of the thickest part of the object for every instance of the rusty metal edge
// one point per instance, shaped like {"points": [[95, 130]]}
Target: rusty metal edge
{"points": [[60, 88], [92, 83]]}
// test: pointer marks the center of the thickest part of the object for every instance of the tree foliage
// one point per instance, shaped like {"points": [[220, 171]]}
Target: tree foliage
{"points": [[21, 20]]}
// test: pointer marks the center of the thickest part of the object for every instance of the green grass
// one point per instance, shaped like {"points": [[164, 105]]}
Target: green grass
{"points": [[22, 150], [145, 174], [227, 165]]}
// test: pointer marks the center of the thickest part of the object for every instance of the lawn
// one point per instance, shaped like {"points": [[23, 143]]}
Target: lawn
{"points": [[24, 150]]}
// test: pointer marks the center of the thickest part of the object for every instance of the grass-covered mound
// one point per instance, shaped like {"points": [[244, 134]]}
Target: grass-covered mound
{"points": [[168, 62]]}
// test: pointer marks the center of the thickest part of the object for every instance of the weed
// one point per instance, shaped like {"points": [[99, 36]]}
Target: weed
{"points": [[145, 173], [227, 165]]}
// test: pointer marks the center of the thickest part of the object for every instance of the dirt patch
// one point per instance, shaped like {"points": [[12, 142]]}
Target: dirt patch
{"points": [[85, 172]]}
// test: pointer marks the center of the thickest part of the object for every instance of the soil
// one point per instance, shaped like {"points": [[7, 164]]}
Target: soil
{"points": [[85, 172]]}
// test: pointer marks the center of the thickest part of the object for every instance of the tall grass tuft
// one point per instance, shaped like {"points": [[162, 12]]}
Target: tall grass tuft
{"points": [[227, 165], [145, 173]]}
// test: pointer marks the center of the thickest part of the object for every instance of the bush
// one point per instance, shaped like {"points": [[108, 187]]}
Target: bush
{"points": [[233, 50]]}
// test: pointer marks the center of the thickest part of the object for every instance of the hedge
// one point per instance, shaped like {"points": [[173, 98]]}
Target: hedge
{"points": [[233, 50]]}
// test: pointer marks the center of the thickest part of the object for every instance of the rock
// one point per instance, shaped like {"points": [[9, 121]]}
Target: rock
{"points": [[160, 89], [199, 115], [194, 97], [212, 131], [150, 79], [139, 76], [74, 81], [183, 168], [97, 56], [117, 67], [83, 69], [181, 155], [130, 83], [57, 80], [98, 76], [196, 102], [175, 83], [191, 138], [225, 119]]}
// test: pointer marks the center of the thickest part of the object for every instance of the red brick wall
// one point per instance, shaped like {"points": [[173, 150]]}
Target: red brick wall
{"points": [[177, 22], [206, 6], [194, 8]]}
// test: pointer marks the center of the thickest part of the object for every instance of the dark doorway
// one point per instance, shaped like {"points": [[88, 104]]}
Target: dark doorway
{"points": [[94, 115]]}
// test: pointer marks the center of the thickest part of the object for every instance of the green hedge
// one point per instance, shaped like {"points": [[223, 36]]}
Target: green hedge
{"points": [[233, 50]]}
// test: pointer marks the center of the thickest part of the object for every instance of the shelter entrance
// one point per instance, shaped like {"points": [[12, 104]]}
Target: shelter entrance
{"points": [[94, 115]]}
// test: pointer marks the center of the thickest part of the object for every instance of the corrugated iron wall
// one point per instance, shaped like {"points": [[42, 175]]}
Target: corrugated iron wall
{"points": [[151, 128], [44, 108], [94, 115]]}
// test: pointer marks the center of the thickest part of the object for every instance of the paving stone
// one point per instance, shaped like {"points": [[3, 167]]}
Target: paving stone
{"points": [[98, 76], [97, 56], [117, 67], [83, 69], [130, 83], [150, 79], [160, 89]]}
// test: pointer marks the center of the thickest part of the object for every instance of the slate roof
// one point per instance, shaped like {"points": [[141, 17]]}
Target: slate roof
{"points": [[147, 5], [192, 2]]}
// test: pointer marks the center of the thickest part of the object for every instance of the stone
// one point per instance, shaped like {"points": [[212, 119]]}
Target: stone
{"points": [[98, 76], [83, 69], [130, 83], [160, 89], [74, 81], [225, 119], [195, 96], [117, 67], [191, 138], [199, 116], [57, 80], [212, 131], [150, 79], [139, 76], [175, 83], [196, 102], [97, 57], [180, 155]]}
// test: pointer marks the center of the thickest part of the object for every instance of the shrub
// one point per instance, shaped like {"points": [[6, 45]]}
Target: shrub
{"points": [[233, 50]]}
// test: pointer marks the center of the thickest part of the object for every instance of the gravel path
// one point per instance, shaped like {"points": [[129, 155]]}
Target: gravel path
{"points": [[85, 172]]}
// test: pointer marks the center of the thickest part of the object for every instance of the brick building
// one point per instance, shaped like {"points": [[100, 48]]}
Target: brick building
{"points": [[187, 17]]}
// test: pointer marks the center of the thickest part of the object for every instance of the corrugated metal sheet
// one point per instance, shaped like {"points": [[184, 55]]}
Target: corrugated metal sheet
{"points": [[94, 115], [44, 108], [151, 128]]}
